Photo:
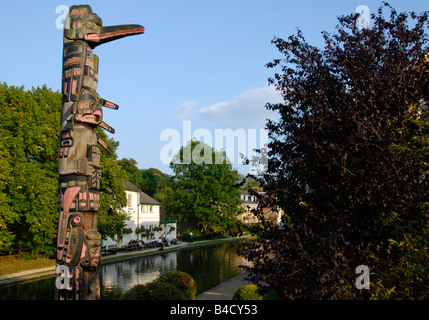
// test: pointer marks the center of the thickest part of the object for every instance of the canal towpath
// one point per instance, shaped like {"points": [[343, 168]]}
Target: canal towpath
{"points": [[226, 290], [223, 291]]}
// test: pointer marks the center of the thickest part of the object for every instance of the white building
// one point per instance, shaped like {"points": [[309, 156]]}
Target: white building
{"points": [[144, 213]]}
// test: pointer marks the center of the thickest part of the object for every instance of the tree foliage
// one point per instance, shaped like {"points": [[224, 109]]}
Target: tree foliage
{"points": [[29, 126], [202, 191], [129, 166], [111, 218], [146, 181], [349, 162], [29, 148], [151, 181]]}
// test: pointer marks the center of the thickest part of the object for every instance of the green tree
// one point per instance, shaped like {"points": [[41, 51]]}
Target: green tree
{"points": [[203, 192], [146, 181], [29, 148], [7, 216], [111, 218], [162, 180], [29, 125], [129, 166], [349, 163]]}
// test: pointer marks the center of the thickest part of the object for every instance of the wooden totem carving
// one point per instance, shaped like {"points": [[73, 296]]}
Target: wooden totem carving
{"points": [[78, 243]]}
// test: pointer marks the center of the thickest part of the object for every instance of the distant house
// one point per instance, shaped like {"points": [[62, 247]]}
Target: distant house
{"points": [[250, 202], [143, 209], [144, 214]]}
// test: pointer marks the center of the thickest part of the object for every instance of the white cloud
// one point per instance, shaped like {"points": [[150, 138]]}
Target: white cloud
{"points": [[184, 110], [247, 110]]}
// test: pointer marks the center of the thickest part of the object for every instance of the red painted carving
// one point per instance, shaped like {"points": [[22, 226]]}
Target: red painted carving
{"points": [[78, 244]]}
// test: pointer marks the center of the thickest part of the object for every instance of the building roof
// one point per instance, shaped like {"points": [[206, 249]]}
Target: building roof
{"points": [[144, 198], [248, 198]]}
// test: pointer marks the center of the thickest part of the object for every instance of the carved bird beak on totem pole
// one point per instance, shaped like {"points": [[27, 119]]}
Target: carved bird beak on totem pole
{"points": [[82, 25], [79, 242], [85, 25]]}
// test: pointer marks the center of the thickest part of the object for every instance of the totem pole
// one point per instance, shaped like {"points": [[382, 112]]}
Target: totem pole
{"points": [[78, 243]]}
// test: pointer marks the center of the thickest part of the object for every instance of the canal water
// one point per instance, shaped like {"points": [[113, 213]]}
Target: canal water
{"points": [[209, 266]]}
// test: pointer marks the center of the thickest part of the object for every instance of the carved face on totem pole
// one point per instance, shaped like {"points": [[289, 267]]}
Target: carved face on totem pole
{"points": [[78, 244]]}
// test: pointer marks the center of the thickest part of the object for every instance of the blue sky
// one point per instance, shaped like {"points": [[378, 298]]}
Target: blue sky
{"points": [[198, 61]]}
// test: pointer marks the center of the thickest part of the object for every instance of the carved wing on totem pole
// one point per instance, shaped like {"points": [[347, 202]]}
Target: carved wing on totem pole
{"points": [[78, 244]]}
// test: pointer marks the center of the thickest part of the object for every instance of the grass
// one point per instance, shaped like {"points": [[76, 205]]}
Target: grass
{"points": [[12, 264]]}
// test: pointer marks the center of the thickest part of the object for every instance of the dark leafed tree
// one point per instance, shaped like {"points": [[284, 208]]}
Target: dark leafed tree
{"points": [[349, 163]]}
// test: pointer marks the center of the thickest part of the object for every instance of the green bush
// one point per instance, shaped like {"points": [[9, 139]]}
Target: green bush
{"points": [[247, 292], [181, 281], [272, 295], [154, 290]]}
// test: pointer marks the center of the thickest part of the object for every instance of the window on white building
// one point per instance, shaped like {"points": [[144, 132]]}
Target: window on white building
{"points": [[129, 203]]}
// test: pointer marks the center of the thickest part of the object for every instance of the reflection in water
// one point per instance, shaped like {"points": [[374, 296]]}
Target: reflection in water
{"points": [[209, 266], [118, 277]]}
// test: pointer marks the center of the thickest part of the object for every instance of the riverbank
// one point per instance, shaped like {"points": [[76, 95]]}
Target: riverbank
{"points": [[35, 274], [226, 290]]}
